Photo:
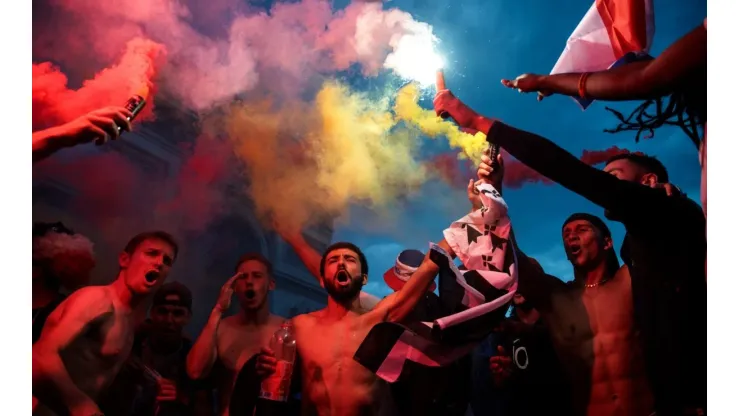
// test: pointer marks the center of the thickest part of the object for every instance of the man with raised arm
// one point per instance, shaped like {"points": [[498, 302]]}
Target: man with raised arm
{"points": [[233, 340]]}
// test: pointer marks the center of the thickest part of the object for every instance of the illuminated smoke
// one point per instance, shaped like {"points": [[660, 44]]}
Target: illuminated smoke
{"points": [[54, 103]]}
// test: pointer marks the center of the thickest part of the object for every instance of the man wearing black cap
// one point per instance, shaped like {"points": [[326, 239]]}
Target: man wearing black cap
{"points": [[157, 362]]}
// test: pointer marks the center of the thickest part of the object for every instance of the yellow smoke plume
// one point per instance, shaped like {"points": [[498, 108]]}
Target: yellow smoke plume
{"points": [[407, 109], [308, 160]]}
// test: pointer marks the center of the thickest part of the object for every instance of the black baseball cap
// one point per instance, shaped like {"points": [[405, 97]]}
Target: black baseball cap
{"points": [[174, 293]]}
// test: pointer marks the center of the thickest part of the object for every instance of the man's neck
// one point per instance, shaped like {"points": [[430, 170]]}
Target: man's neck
{"points": [[592, 276], [337, 310], [256, 317], [528, 317], [123, 294], [165, 343], [41, 295]]}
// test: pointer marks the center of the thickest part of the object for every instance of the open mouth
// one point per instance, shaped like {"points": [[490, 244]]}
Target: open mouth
{"points": [[574, 249], [343, 277], [151, 276], [249, 294]]}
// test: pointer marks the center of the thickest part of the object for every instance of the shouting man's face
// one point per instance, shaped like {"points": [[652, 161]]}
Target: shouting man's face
{"points": [[343, 278]]}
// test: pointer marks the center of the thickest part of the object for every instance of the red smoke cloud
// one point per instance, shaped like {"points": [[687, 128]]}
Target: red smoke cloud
{"points": [[200, 190], [289, 44], [54, 103], [448, 167], [517, 174], [595, 157]]}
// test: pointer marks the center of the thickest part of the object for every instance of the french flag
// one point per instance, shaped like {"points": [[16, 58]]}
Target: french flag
{"points": [[612, 33]]}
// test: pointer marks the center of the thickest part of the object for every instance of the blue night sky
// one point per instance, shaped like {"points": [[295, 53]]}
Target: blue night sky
{"points": [[484, 41]]}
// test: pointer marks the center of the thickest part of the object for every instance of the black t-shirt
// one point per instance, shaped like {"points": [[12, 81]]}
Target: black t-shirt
{"points": [[537, 384]]}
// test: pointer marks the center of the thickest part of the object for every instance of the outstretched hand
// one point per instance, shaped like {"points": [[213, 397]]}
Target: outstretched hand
{"points": [[96, 125], [468, 120], [527, 83]]}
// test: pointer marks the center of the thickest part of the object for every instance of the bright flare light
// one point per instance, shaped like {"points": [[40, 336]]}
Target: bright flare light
{"points": [[414, 56]]}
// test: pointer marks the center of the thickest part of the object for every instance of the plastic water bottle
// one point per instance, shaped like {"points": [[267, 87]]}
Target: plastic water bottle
{"points": [[276, 387]]}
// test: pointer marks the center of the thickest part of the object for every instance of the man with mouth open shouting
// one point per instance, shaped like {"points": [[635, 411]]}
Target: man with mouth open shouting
{"points": [[333, 382], [87, 338], [234, 340]]}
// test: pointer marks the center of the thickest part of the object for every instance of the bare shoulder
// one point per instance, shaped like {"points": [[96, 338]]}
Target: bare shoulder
{"points": [[87, 301], [306, 319]]}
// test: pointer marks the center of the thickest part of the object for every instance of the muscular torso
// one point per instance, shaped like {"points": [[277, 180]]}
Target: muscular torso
{"points": [[594, 335], [333, 382], [94, 359], [237, 343]]}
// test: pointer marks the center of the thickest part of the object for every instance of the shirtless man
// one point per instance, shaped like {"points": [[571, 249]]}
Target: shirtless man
{"points": [[234, 340], [89, 336], [664, 249], [333, 383], [591, 322]]}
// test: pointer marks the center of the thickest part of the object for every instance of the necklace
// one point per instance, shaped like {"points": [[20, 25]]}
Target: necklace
{"points": [[591, 285]]}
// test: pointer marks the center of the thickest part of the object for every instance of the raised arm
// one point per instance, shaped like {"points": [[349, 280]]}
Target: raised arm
{"points": [[81, 314], [204, 352], [308, 255], [633, 81], [552, 161], [395, 307], [96, 125]]}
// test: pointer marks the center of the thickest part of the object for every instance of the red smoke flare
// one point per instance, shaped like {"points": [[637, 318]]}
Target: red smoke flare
{"points": [[447, 166], [517, 174], [595, 157], [54, 103]]}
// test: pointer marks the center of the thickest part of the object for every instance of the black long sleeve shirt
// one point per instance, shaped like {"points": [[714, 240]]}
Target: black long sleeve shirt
{"points": [[665, 249]]}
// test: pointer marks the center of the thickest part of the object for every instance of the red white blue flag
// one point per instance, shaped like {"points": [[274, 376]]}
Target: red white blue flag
{"points": [[612, 32]]}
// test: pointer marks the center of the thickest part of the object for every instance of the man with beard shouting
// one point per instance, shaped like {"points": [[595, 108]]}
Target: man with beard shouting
{"points": [[333, 382], [234, 340]]}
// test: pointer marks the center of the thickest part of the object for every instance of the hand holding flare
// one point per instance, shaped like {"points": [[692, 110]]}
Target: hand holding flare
{"points": [[441, 87], [493, 149]]}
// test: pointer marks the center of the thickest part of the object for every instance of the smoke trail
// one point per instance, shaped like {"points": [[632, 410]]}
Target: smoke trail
{"points": [[407, 109], [352, 151], [293, 43], [447, 167], [54, 103]]}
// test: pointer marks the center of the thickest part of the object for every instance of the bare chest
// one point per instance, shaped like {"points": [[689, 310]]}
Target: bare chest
{"points": [[95, 359], [237, 344], [327, 353]]}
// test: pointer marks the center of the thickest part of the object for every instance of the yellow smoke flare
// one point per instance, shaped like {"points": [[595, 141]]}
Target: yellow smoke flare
{"points": [[407, 109], [305, 161]]}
